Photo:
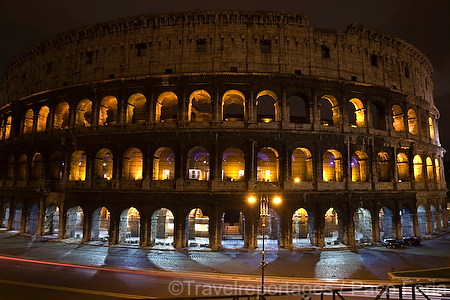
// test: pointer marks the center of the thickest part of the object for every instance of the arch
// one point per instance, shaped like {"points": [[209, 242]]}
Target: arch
{"points": [[233, 165], [78, 166], [397, 116], [267, 107], [164, 164], [166, 107], [272, 230], [6, 212], [431, 127], [8, 127], [430, 171], [422, 220], [386, 216], [299, 109], [433, 217], [301, 165], [162, 229], [10, 168], [197, 228], [402, 167], [42, 119], [61, 117], [362, 219], [51, 220], [100, 224], [332, 165], [233, 105], [412, 122], [22, 167], [37, 166], [132, 164], [302, 228], [406, 220], [333, 227], [74, 223], [108, 111], [56, 166], [199, 108], [103, 166], [83, 115], [17, 220], [28, 121], [136, 107], [360, 167], [356, 113], [267, 165], [418, 169], [130, 226], [198, 163], [378, 114], [32, 219], [383, 167], [233, 229], [438, 170], [329, 111]]}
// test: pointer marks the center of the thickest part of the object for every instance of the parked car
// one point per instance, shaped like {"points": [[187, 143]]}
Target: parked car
{"points": [[411, 241], [393, 243]]}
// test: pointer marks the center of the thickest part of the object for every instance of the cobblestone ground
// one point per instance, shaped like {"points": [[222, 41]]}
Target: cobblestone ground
{"points": [[366, 263]]}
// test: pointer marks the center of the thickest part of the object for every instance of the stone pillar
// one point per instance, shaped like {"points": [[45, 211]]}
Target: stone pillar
{"points": [[319, 236], [252, 111], [429, 221], [395, 168], [314, 111], [251, 166], [87, 227], [114, 228], [41, 216], [215, 237], [285, 116], [415, 219], [375, 225], [397, 223], [23, 220], [144, 229], [62, 221], [179, 235], [251, 231]]}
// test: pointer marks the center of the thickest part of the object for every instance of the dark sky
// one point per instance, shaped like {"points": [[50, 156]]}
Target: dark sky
{"points": [[424, 24]]}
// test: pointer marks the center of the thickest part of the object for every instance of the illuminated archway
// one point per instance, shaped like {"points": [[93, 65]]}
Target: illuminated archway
{"points": [[418, 169], [302, 228], [386, 216], [17, 221], [430, 171], [233, 106], [402, 167], [329, 111], [332, 165], [136, 109], [83, 116], [75, 221], [199, 108], [6, 212], [164, 164], [32, 219], [438, 170], [233, 165], [333, 227], [356, 113], [406, 219], [301, 165], [103, 166], [383, 167], [272, 230], [108, 111], [197, 228], [412, 122], [132, 164], [28, 121], [42, 119], [363, 226], [162, 227], [198, 164], [267, 107], [166, 107], [431, 127], [130, 226], [397, 116], [267, 165], [360, 167], [422, 220], [8, 127], [433, 217], [78, 166], [100, 225], [61, 116], [51, 220], [233, 229]]}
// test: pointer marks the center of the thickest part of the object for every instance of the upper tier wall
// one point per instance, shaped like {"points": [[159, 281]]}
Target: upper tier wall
{"points": [[217, 41]]}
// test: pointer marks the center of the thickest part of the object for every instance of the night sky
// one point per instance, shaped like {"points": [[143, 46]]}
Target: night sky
{"points": [[424, 24]]}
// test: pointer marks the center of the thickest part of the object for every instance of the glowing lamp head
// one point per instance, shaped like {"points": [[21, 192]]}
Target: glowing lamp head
{"points": [[251, 199], [297, 180], [277, 200]]}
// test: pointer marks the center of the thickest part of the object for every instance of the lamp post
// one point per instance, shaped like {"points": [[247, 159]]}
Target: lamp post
{"points": [[264, 213]]}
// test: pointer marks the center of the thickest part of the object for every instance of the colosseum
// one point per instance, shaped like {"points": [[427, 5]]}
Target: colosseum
{"points": [[155, 130]]}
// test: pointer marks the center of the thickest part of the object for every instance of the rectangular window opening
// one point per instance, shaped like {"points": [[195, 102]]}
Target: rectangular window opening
{"points": [[265, 46], [169, 71], [353, 78], [325, 51], [298, 72], [141, 49], [201, 45], [374, 60], [89, 56]]}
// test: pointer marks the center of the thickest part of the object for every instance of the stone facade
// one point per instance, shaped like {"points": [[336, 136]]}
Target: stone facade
{"points": [[157, 128]]}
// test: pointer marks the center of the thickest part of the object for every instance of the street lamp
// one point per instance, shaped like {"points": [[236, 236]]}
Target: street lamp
{"points": [[264, 213]]}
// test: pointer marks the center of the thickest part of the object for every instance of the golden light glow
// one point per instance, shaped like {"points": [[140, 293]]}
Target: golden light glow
{"points": [[277, 200], [297, 179], [251, 199]]}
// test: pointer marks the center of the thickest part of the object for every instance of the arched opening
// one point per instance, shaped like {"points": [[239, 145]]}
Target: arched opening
{"points": [[22, 167], [17, 221], [56, 166], [10, 168], [42, 119], [363, 226], [406, 218], [198, 163], [166, 107], [333, 228], [37, 165], [233, 106], [430, 171], [103, 166], [136, 109], [8, 127], [386, 216], [162, 227], [298, 109], [383, 167], [129, 227], [233, 229], [6, 212], [431, 127], [360, 167], [32, 219], [78, 166], [422, 220], [412, 122], [61, 117], [301, 165], [199, 109], [108, 111], [438, 170], [356, 113], [233, 165], [378, 115], [402, 167], [100, 225], [329, 111], [132, 164], [302, 228], [51, 220], [397, 116], [164, 164], [83, 115], [332, 166], [75, 221], [267, 165], [267, 107], [418, 168], [272, 230], [28, 121], [197, 228], [433, 217]]}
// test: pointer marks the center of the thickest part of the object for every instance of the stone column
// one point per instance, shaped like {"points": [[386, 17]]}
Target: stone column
{"points": [[41, 216], [62, 221], [319, 236], [179, 235], [375, 224], [114, 228], [87, 227], [215, 237]]}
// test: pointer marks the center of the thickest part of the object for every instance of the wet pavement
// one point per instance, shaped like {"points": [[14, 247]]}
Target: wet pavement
{"points": [[363, 263]]}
